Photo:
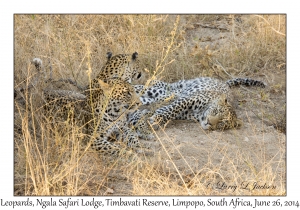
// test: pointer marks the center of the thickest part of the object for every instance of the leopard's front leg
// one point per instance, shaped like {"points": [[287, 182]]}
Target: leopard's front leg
{"points": [[166, 113], [183, 108]]}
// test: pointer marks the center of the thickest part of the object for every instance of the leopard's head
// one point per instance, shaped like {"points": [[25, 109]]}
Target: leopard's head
{"points": [[220, 115], [123, 66]]}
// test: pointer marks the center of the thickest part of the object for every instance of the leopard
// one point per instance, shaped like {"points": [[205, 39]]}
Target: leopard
{"points": [[159, 91], [123, 66], [110, 99], [203, 99], [137, 120], [63, 105], [103, 105], [108, 104], [102, 111]]}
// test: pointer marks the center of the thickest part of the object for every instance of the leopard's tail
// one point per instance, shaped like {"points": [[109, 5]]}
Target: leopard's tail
{"points": [[245, 81]]}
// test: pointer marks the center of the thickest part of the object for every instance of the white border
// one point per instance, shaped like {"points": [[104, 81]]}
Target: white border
{"points": [[8, 8]]}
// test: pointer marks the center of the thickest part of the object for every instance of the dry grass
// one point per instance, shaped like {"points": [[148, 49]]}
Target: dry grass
{"points": [[52, 160]]}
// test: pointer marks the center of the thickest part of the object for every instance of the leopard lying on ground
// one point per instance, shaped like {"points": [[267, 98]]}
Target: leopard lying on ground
{"points": [[63, 105], [203, 99], [105, 103]]}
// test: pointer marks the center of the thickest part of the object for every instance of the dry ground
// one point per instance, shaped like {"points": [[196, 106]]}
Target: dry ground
{"points": [[183, 159]]}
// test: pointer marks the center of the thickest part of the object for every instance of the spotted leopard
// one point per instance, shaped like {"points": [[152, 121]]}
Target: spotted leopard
{"points": [[203, 99], [105, 104], [123, 66], [159, 91], [63, 105], [137, 120]]}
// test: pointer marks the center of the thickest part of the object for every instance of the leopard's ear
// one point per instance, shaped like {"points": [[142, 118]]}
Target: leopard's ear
{"points": [[104, 86], [108, 55], [135, 56]]}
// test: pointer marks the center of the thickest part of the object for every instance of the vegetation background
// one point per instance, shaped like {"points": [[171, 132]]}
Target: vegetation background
{"points": [[48, 161]]}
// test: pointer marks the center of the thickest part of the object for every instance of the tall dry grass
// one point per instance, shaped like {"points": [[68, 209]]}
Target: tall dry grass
{"points": [[52, 160]]}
